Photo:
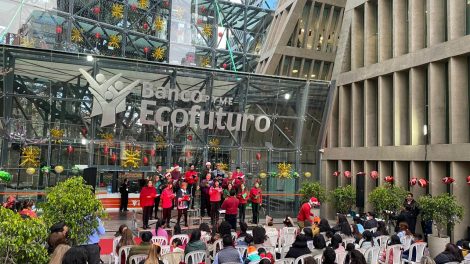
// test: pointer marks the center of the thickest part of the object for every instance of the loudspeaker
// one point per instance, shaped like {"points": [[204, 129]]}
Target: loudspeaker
{"points": [[89, 174], [360, 186]]}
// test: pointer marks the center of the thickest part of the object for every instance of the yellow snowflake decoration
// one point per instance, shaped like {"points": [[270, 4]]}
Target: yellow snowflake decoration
{"points": [[159, 53], [214, 144], [76, 35], [223, 166], [158, 24], [114, 41], [57, 135], [107, 136], [205, 62], [143, 4], [117, 11], [284, 170], [161, 142], [30, 157], [27, 42], [131, 159], [207, 30]]}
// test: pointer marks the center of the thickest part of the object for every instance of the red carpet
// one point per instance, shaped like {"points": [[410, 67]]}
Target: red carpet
{"points": [[106, 245]]}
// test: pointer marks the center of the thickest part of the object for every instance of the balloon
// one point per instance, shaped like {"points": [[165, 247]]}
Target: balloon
{"points": [[59, 169], [307, 174], [347, 174], [468, 180], [75, 170], [58, 30], [263, 175], [97, 35], [46, 169], [146, 49], [374, 175], [96, 10], [30, 171], [422, 183], [145, 160], [190, 137], [413, 181], [114, 158], [224, 65], [69, 149], [221, 34], [153, 152], [146, 26], [447, 180], [336, 173], [106, 150], [389, 179], [258, 156], [5, 176]]}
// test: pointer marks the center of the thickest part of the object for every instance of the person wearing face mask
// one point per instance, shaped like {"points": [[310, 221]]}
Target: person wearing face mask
{"points": [[147, 201], [256, 200], [28, 210], [370, 222], [167, 202], [412, 209], [192, 179]]}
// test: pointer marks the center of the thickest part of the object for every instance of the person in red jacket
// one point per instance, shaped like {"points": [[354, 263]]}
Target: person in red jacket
{"points": [[305, 215], [230, 205], [256, 200], [147, 200], [167, 203], [243, 196], [192, 179], [215, 195]]}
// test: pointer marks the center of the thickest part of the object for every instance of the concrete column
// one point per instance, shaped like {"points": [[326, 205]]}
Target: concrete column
{"points": [[458, 104], [357, 120], [370, 108], [370, 33], [334, 122], [417, 27], [356, 166], [329, 182], [385, 169], [385, 111], [344, 165], [459, 171], [417, 105], [437, 21], [385, 29], [437, 171], [344, 116], [418, 171], [399, 28], [370, 183], [400, 113], [457, 19], [400, 174], [437, 103], [357, 39]]}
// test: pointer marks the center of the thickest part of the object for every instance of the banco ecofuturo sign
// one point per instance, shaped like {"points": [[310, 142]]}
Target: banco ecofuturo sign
{"points": [[109, 99]]}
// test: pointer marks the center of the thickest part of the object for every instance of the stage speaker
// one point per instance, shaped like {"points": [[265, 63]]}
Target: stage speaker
{"points": [[89, 174], [360, 186]]}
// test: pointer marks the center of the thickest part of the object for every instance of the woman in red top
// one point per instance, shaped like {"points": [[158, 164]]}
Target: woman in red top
{"points": [[215, 194], [167, 202], [27, 210], [256, 199], [192, 179], [147, 200], [243, 196]]}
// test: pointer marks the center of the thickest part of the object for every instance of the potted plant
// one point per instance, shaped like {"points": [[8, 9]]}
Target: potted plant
{"points": [[313, 189], [387, 198], [445, 212], [343, 198]]}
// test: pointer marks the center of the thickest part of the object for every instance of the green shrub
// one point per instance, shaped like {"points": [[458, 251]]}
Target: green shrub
{"points": [[443, 210], [21, 240], [343, 198], [387, 197], [313, 189], [73, 202]]}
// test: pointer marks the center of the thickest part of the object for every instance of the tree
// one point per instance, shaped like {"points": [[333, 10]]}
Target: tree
{"points": [[73, 202], [313, 189], [443, 210], [21, 240], [387, 198], [344, 198]]}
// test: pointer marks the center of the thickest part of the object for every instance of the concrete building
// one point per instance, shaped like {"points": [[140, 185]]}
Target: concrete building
{"points": [[401, 98], [302, 39]]}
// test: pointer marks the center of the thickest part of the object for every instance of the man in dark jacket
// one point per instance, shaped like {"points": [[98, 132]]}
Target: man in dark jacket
{"points": [[124, 190], [370, 222], [229, 253], [411, 211]]}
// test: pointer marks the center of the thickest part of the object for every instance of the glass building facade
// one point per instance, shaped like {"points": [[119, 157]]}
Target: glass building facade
{"points": [[47, 90]]}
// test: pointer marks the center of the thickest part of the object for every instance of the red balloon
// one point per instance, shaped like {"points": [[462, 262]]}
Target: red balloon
{"points": [[106, 150], [413, 181], [374, 175], [389, 179], [153, 152], [96, 10], [347, 174], [258, 156], [97, 35], [134, 7], [336, 173], [221, 34], [114, 158], [69, 149], [146, 49], [224, 65], [58, 30], [468, 180], [422, 183], [145, 160], [146, 26], [190, 137], [447, 180]]}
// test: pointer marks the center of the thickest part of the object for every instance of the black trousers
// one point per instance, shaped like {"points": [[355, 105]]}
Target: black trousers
{"points": [[205, 205], [192, 190], [255, 209], [232, 219], [167, 215], [157, 203], [412, 224], [124, 201], [146, 213], [241, 212], [215, 212], [185, 213], [93, 253]]}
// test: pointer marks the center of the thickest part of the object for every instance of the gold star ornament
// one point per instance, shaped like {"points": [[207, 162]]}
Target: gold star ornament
{"points": [[159, 53], [117, 11]]}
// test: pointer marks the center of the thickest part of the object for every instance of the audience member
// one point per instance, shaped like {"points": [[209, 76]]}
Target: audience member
{"points": [[356, 234], [319, 245], [342, 226], [177, 245], [195, 242], [28, 211], [337, 243], [356, 257], [394, 240], [358, 223], [308, 233], [120, 230], [451, 254], [127, 239], [159, 229], [143, 247], [205, 229], [329, 256], [154, 256], [252, 254], [370, 222], [60, 247], [381, 229], [229, 253], [259, 237], [75, 255], [299, 247], [324, 225], [288, 222], [404, 231], [368, 240]]}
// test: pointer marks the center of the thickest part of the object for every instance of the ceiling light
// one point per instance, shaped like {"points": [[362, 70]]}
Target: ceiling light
{"points": [[295, 71], [89, 58], [287, 96], [313, 75]]}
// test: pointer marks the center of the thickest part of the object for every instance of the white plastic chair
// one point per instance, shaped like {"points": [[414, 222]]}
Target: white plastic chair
{"points": [[396, 249], [136, 259], [373, 229], [349, 240], [218, 245], [184, 239], [160, 240], [288, 235], [114, 254], [283, 250], [249, 232], [173, 258], [195, 257], [206, 238], [406, 242], [242, 250], [286, 261], [234, 236], [381, 241], [318, 258], [124, 250], [301, 259], [418, 248], [372, 253], [340, 257], [310, 245], [165, 250], [273, 236]]}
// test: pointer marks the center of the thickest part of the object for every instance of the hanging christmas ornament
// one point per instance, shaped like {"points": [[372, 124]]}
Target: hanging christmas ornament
{"points": [[133, 7], [145, 26], [447, 180], [413, 181], [117, 11], [5, 176], [207, 30], [153, 152], [143, 4], [199, 21], [190, 137], [105, 150], [202, 9], [69, 149], [97, 35], [75, 170], [336, 173], [145, 161], [76, 35], [205, 61], [158, 24], [284, 170], [27, 42], [221, 34], [258, 156], [108, 137], [374, 175], [30, 157], [161, 142], [30, 171], [422, 183], [307, 174], [59, 169], [84, 131], [347, 174], [57, 135], [58, 29], [146, 50], [468, 180], [159, 53], [389, 179], [46, 169], [96, 10], [131, 158], [214, 144], [113, 158], [224, 66], [114, 41], [263, 175]]}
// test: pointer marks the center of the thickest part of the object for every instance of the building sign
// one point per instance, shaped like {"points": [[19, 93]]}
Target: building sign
{"points": [[109, 99]]}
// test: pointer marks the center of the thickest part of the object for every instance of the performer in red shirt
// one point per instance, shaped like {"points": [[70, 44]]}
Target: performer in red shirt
{"points": [[230, 205], [243, 196], [167, 202], [183, 198], [147, 200], [305, 213], [256, 200], [215, 195], [192, 179]]}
